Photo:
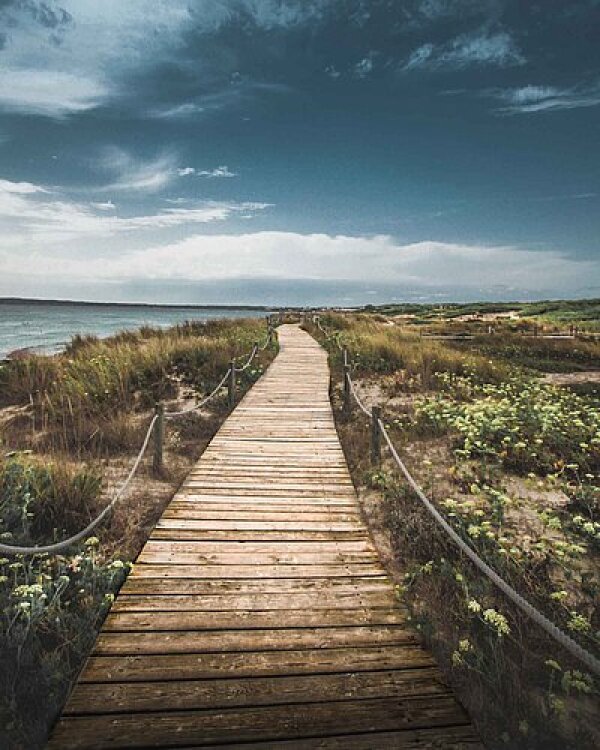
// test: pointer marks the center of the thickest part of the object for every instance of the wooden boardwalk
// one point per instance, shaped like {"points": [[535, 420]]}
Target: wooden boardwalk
{"points": [[258, 614]]}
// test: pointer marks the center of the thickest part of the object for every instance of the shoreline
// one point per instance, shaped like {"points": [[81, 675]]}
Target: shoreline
{"points": [[153, 305]]}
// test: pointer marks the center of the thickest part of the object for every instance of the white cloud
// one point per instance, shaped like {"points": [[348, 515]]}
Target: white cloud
{"points": [[419, 56], [531, 99], [51, 93], [475, 49], [134, 174], [30, 213], [217, 172], [64, 60], [222, 171], [288, 255], [104, 206], [178, 111], [363, 68]]}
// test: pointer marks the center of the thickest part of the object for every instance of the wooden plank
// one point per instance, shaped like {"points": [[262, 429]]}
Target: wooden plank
{"points": [[292, 556], [251, 619], [178, 728], [288, 586], [199, 512], [256, 535], [264, 602], [258, 571], [460, 737], [189, 502], [261, 548], [221, 525], [237, 664], [193, 642], [90, 698]]}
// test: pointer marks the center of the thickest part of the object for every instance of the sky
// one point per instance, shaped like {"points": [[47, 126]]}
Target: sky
{"points": [[299, 151]]}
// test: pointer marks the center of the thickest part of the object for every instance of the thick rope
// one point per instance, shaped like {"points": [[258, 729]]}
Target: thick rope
{"points": [[249, 360], [534, 614], [553, 630], [200, 404], [59, 546]]}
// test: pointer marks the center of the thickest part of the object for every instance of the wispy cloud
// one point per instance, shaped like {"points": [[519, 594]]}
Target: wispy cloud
{"points": [[364, 67], [133, 173], [31, 212], [474, 49], [533, 98], [50, 93], [222, 171], [104, 206]]}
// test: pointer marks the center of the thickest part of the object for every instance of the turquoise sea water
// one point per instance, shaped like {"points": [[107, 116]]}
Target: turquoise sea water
{"points": [[46, 327]]}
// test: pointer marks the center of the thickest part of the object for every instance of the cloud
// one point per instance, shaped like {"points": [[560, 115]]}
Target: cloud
{"points": [[480, 48], [104, 206], [68, 58], [531, 98], [222, 171], [134, 174], [364, 67], [217, 172], [418, 58], [30, 213], [51, 93], [377, 260]]}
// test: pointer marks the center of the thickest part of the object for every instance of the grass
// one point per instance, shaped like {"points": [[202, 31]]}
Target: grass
{"points": [[82, 399], [584, 314], [68, 429], [514, 465], [50, 607]]}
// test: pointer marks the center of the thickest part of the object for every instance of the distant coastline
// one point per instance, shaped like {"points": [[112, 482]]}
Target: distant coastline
{"points": [[153, 305], [40, 326]]}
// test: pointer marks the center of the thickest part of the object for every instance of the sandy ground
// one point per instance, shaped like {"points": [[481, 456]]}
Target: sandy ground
{"points": [[572, 378]]}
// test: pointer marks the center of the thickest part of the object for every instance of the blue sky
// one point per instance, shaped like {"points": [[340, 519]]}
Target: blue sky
{"points": [[299, 151]]}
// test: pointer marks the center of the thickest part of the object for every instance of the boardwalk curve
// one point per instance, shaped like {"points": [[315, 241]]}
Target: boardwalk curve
{"points": [[258, 614]]}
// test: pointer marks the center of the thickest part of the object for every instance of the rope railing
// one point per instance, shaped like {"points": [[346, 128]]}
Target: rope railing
{"points": [[13, 549], [155, 429], [379, 430]]}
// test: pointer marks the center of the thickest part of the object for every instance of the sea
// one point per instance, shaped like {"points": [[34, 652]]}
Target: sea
{"points": [[46, 327]]}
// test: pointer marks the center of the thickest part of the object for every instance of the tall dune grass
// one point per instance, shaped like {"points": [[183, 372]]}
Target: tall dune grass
{"points": [[86, 396]]}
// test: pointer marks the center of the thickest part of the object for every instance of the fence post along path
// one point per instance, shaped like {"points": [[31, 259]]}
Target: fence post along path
{"points": [[258, 614]]}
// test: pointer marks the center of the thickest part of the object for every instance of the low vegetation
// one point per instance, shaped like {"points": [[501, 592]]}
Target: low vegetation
{"points": [[69, 427], [513, 463]]}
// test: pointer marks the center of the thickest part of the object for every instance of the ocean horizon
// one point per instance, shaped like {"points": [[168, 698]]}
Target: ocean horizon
{"points": [[46, 326]]}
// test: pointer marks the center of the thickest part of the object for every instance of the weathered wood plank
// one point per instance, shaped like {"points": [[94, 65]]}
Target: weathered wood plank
{"points": [[111, 643], [251, 619], [178, 728], [234, 570], [256, 535], [260, 602], [90, 698], [287, 586], [441, 738], [262, 663]]}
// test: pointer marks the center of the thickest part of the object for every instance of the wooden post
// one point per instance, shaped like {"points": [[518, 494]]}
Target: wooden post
{"points": [[347, 393], [375, 436], [231, 384], [158, 435]]}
